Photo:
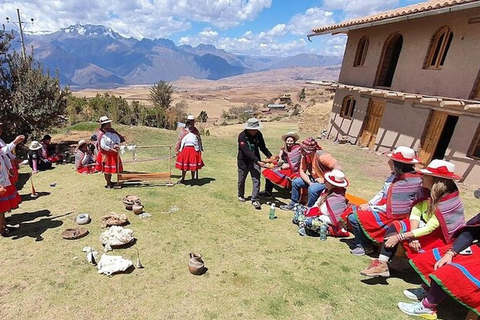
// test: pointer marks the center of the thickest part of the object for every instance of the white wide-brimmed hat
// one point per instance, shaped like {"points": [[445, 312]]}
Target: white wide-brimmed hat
{"points": [[190, 117], [35, 145], [441, 169], [81, 142], [104, 120], [404, 155], [337, 178], [290, 134], [253, 124]]}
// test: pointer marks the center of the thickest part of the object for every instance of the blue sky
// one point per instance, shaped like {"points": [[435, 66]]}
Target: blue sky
{"points": [[255, 27]]}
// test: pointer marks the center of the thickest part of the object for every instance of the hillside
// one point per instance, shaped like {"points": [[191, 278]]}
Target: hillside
{"points": [[97, 56]]}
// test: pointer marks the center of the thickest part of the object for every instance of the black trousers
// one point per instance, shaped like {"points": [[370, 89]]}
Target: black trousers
{"points": [[243, 171]]}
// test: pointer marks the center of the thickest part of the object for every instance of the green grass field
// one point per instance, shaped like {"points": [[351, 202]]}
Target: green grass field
{"points": [[257, 268]]}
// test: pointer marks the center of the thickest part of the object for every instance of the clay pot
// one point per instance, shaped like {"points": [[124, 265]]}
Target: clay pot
{"points": [[137, 208], [130, 201], [196, 265]]}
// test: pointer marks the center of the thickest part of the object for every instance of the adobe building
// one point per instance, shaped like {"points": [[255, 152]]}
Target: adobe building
{"points": [[411, 76]]}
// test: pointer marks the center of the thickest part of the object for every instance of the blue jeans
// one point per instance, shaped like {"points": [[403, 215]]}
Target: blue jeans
{"points": [[314, 191], [360, 237]]}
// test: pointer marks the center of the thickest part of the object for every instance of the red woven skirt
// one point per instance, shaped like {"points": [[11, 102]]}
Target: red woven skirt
{"points": [[87, 169], [424, 263], [10, 199], [374, 224], [189, 160], [281, 177], [427, 242], [461, 279], [107, 162]]}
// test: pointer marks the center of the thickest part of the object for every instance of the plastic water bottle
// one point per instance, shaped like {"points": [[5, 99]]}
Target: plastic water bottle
{"points": [[323, 232], [272, 216]]}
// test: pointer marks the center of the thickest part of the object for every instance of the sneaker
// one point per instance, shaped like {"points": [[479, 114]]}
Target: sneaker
{"points": [[288, 207], [417, 309], [360, 251], [415, 294], [242, 199], [265, 194], [302, 232], [256, 205], [376, 269]]}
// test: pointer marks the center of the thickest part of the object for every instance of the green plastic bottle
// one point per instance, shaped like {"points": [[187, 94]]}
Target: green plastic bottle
{"points": [[272, 215]]}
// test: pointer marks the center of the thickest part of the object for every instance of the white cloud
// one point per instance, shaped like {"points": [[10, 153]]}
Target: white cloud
{"points": [[355, 8], [302, 24], [278, 31], [138, 18]]}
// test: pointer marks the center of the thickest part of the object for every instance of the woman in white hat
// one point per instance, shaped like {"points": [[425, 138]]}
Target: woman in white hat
{"points": [[432, 221], [109, 141], [452, 270], [36, 161], [84, 162], [328, 208], [9, 197], [189, 149], [289, 159], [369, 221]]}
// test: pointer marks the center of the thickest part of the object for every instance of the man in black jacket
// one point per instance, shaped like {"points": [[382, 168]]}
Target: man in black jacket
{"points": [[250, 141]]}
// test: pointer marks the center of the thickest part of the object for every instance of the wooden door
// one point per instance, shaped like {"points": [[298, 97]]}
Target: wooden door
{"points": [[371, 123], [431, 135]]}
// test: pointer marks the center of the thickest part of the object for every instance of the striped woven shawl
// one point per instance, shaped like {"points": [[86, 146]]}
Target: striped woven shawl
{"points": [[401, 195], [450, 214], [336, 204], [293, 157]]}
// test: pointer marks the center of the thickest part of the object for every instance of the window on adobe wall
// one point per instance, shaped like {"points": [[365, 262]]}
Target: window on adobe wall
{"points": [[475, 95], [474, 150], [348, 106], [361, 53], [438, 48]]}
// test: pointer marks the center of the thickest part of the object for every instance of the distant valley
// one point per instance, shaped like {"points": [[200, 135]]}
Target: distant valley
{"points": [[97, 57]]}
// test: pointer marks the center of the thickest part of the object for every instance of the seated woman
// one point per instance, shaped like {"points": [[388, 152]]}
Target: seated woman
{"points": [[328, 208], [432, 221], [456, 273], [49, 151], [84, 158], [369, 222], [289, 161], [315, 162], [36, 161]]}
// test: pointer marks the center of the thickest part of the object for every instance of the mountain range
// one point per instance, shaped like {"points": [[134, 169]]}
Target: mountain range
{"points": [[97, 56]]}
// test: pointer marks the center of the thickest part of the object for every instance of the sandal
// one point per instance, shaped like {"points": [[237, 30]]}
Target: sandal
{"points": [[5, 233]]}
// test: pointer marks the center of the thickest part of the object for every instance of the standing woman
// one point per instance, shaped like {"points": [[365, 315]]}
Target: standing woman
{"points": [[10, 157], [432, 221], [290, 156], [109, 141], [9, 198], [189, 149]]}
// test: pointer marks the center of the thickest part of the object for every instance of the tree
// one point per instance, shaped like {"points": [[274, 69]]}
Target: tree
{"points": [[31, 101], [203, 116], [302, 94], [161, 96]]}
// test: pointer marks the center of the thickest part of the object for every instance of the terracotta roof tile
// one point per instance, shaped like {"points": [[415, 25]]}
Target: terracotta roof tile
{"points": [[405, 11]]}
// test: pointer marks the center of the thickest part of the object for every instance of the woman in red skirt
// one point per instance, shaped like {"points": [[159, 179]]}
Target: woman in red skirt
{"points": [[449, 270], [290, 157], [370, 221], [189, 150], [9, 197], [109, 141], [432, 221]]}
